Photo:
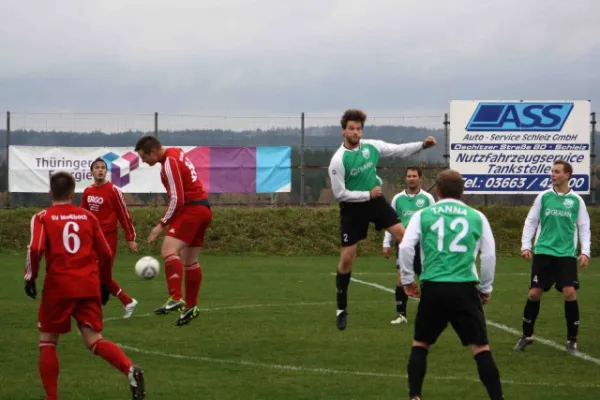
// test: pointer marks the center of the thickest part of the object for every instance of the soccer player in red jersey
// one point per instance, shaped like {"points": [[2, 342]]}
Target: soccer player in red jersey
{"points": [[78, 262], [188, 216], [108, 204]]}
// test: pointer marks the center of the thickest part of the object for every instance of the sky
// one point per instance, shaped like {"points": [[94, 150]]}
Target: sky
{"points": [[277, 58]]}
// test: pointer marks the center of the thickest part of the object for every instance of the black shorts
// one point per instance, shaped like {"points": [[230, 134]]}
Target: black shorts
{"points": [[355, 219], [418, 267], [547, 271], [456, 303]]}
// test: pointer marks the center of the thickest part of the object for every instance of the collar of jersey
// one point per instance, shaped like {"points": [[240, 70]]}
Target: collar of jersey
{"points": [[356, 149], [449, 200], [411, 195], [561, 194]]}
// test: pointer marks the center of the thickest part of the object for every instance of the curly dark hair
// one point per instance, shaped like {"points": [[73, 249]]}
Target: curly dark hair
{"points": [[353, 115]]}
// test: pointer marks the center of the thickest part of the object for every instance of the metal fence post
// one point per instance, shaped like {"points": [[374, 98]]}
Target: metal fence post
{"points": [[155, 124], [7, 159], [447, 139], [302, 159], [593, 189]]}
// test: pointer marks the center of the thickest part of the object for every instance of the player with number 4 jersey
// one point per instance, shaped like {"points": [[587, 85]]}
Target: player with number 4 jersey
{"points": [[187, 218], [559, 216], [78, 261]]}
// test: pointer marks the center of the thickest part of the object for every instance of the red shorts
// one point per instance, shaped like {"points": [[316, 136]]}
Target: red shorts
{"points": [[54, 315], [190, 225]]}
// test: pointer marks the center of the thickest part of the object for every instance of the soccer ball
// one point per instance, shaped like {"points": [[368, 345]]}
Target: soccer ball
{"points": [[147, 267]]}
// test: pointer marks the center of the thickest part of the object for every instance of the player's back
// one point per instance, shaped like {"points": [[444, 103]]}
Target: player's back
{"points": [[71, 262], [178, 170], [451, 233]]}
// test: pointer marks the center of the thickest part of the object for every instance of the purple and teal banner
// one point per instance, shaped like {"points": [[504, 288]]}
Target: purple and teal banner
{"points": [[243, 169]]}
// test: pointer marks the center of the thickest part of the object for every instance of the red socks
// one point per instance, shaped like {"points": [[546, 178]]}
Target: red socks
{"points": [[174, 275], [49, 368], [116, 291], [193, 281], [113, 355]]}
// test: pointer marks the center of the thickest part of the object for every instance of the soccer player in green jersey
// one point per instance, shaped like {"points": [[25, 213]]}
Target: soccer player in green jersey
{"points": [[559, 215], [451, 234], [357, 188], [406, 203]]}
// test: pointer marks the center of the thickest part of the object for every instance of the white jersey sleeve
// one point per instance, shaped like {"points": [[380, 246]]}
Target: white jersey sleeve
{"points": [[337, 174], [431, 198], [487, 256], [391, 149], [531, 223], [583, 226], [412, 236]]}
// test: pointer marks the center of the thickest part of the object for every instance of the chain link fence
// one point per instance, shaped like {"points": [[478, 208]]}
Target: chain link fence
{"points": [[313, 140]]}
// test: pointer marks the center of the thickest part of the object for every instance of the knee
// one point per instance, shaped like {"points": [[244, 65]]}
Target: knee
{"points": [[346, 259], [535, 294], [476, 349], [167, 251], [421, 345], [569, 293], [90, 338]]}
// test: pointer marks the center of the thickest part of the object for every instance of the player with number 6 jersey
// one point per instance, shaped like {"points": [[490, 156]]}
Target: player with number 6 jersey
{"points": [[78, 262], [187, 218], [108, 204]]}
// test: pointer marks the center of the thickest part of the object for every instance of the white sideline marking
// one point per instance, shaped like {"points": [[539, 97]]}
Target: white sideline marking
{"points": [[496, 274], [322, 303], [297, 368], [502, 327]]}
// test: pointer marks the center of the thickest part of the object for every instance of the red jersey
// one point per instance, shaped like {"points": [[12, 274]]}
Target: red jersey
{"points": [[77, 255], [179, 177], [108, 204]]}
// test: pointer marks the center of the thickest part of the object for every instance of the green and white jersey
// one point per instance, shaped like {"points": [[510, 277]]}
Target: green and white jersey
{"points": [[451, 235], [406, 205], [558, 218], [353, 173]]}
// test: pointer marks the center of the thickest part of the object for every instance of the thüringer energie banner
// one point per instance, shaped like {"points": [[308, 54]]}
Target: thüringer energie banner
{"points": [[508, 147], [222, 169]]}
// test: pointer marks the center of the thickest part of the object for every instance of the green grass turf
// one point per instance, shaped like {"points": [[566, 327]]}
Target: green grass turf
{"points": [[269, 332]]}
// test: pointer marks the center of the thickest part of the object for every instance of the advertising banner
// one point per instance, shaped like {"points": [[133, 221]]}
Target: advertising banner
{"points": [[508, 147], [222, 169]]}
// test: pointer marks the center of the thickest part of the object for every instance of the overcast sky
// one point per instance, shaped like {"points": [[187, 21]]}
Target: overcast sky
{"points": [[280, 57]]}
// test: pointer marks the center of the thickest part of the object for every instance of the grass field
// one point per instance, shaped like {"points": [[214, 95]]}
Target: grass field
{"points": [[268, 331]]}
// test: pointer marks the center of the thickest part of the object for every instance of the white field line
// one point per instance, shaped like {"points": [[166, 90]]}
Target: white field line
{"points": [[496, 274], [326, 371], [502, 327], [299, 304]]}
